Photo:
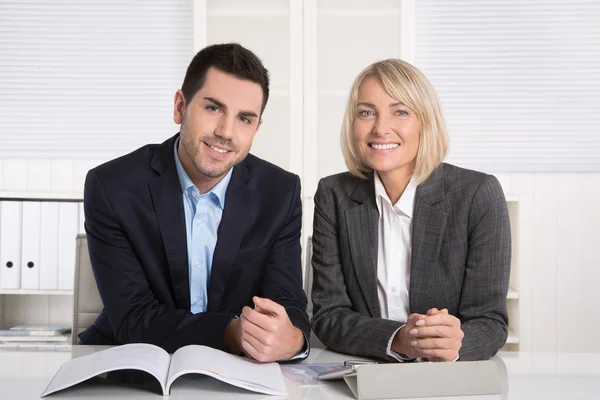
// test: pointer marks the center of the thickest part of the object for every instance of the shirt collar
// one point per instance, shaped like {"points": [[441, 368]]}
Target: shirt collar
{"points": [[220, 189], [406, 202]]}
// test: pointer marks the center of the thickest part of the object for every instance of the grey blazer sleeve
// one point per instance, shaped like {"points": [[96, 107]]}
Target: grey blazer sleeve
{"points": [[482, 308], [335, 320]]}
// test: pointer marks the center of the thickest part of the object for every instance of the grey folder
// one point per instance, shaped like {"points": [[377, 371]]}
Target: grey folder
{"points": [[414, 380]]}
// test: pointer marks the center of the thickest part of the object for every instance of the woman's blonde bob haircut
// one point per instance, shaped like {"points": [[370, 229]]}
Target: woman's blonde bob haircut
{"points": [[409, 86]]}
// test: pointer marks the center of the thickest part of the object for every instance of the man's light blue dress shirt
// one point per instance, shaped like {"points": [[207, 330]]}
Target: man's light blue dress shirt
{"points": [[203, 214]]}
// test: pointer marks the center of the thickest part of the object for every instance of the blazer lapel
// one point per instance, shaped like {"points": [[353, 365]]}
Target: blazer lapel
{"points": [[429, 224], [229, 235], [168, 206], [362, 223]]}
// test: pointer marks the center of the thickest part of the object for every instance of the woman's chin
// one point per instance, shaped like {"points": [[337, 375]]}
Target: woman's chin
{"points": [[384, 168]]}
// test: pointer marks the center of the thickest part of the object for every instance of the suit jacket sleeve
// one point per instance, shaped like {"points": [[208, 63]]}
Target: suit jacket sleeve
{"points": [[134, 312], [282, 281], [334, 320], [482, 308]]}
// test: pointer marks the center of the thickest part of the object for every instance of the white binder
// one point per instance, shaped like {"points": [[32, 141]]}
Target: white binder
{"points": [[49, 246], [10, 245], [68, 227], [81, 218], [30, 245], [428, 379]]}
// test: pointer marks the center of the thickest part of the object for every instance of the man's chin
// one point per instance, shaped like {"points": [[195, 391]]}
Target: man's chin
{"points": [[216, 171], [214, 174], [219, 169]]}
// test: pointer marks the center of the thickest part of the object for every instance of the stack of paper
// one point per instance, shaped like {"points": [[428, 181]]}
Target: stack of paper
{"points": [[40, 334]]}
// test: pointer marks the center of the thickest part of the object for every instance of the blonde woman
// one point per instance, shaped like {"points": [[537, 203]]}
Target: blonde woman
{"points": [[411, 255]]}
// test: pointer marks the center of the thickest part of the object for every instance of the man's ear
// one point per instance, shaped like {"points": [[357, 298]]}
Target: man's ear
{"points": [[179, 105]]}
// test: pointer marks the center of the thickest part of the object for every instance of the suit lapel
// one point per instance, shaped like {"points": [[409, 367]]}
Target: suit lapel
{"points": [[229, 235], [168, 206], [362, 222], [429, 225]]}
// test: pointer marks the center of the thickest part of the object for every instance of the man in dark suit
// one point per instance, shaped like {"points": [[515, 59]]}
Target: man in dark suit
{"points": [[194, 241]]}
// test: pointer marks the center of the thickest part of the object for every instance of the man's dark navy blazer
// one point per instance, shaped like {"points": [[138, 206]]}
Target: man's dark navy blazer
{"points": [[136, 232]]}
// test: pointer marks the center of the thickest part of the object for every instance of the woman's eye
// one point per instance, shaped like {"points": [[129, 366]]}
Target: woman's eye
{"points": [[365, 113], [402, 113]]}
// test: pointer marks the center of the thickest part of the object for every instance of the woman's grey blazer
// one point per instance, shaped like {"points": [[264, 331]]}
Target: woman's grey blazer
{"points": [[461, 251]]}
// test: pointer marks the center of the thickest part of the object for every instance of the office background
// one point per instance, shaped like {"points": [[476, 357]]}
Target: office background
{"points": [[84, 82]]}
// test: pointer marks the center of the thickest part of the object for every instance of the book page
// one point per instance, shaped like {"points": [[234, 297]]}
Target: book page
{"points": [[138, 356], [237, 371]]}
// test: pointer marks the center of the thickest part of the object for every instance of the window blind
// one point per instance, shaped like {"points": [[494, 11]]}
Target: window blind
{"points": [[519, 81], [90, 78]]}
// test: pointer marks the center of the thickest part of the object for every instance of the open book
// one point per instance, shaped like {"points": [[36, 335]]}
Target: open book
{"points": [[193, 359]]}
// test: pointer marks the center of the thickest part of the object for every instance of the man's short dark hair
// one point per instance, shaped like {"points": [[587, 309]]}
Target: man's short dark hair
{"points": [[231, 58]]}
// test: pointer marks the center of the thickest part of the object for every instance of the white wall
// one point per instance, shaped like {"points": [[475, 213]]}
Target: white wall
{"points": [[44, 175], [558, 260]]}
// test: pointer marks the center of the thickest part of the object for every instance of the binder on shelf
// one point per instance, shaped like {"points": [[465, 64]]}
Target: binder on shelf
{"points": [[49, 246], [81, 218], [68, 227], [30, 245], [10, 245]]}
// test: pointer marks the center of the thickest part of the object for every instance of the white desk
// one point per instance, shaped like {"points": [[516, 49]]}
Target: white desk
{"points": [[25, 374]]}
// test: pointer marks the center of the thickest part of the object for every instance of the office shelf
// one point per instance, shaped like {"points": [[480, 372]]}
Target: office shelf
{"points": [[248, 12], [359, 13], [43, 292], [512, 338], [33, 196]]}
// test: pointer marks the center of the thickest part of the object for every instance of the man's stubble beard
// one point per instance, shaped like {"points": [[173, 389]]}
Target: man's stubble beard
{"points": [[193, 152]]}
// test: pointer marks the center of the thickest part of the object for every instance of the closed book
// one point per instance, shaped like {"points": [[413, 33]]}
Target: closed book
{"points": [[15, 332], [28, 338], [54, 328]]}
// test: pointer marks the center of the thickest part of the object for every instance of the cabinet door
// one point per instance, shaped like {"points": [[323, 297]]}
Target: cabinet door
{"points": [[272, 30], [342, 37]]}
